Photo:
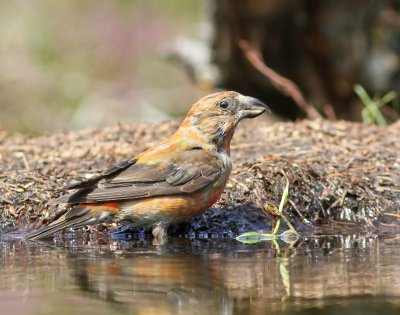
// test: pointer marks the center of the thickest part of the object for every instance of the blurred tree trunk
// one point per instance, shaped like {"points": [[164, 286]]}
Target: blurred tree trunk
{"points": [[325, 47]]}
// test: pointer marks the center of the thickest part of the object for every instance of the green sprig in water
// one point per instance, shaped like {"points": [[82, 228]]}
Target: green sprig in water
{"points": [[288, 236]]}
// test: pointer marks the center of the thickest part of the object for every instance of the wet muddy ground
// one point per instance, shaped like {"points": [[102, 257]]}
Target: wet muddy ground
{"points": [[343, 176]]}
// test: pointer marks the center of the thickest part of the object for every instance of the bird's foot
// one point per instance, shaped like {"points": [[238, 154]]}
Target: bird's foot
{"points": [[160, 234]]}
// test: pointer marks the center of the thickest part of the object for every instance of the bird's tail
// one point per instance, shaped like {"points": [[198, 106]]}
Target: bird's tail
{"points": [[82, 217]]}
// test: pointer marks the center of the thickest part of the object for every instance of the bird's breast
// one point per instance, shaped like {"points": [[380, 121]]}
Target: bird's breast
{"points": [[226, 168]]}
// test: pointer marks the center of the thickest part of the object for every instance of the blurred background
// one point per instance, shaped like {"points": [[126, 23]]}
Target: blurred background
{"points": [[75, 64]]}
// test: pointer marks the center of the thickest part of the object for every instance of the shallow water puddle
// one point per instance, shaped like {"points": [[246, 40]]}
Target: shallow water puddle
{"points": [[325, 275]]}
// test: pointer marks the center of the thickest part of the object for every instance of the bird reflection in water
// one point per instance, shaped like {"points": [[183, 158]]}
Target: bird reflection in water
{"points": [[206, 276]]}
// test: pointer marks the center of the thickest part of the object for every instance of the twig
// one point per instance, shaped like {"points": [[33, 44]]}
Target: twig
{"points": [[257, 193], [329, 112], [5, 200], [335, 203], [254, 56], [298, 211], [343, 197], [281, 83], [24, 160], [240, 184], [393, 215]]}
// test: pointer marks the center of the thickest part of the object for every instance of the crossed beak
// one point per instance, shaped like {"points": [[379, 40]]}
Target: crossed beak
{"points": [[251, 107]]}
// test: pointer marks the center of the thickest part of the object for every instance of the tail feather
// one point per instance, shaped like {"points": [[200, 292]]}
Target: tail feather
{"points": [[49, 230]]}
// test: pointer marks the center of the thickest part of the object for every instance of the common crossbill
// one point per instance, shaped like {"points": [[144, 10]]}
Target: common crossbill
{"points": [[170, 182]]}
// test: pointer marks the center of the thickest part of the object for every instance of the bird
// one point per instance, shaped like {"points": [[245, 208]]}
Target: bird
{"points": [[178, 178]]}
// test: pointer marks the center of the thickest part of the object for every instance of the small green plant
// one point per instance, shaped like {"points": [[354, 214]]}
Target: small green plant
{"points": [[288, 236], [372, 114]]}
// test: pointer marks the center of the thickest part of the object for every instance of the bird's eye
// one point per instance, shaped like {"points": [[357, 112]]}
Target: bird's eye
{"points": [[223, 104]]}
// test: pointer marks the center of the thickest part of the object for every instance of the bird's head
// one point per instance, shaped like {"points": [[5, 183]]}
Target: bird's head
{"points": [[212, 119]]}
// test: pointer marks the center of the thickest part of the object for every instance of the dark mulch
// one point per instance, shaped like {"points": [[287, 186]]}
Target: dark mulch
{"points": [[343, 176]]}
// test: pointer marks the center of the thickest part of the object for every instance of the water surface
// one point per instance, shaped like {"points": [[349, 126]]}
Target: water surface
{"points": [[325, 275]]}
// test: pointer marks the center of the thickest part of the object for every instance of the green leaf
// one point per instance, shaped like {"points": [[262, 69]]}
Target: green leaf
{"points": [[388, 97], [285, 194], [372, 114], [256, 237]]}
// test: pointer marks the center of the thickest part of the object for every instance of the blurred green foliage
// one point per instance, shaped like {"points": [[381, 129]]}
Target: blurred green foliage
{"points": [[72, 64], [372, 111]]}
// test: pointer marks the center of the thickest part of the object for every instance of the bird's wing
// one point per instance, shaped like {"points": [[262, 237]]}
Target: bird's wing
{"points": [[112, 171], [181, 173]]}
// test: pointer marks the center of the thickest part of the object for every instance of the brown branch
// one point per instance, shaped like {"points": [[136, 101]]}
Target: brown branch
{"points": [[282, 84]]}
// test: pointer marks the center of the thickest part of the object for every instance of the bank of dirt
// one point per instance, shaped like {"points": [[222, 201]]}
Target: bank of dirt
{"points": [[343, 176]]}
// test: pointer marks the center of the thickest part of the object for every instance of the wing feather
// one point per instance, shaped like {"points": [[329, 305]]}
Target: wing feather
{"points": [[176, 174], [111, 171]]}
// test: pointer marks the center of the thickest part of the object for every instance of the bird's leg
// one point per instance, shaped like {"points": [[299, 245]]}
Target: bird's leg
{"points": [[160, 234]]}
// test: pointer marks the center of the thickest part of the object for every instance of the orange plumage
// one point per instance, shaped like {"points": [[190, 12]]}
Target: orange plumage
{"points": [[172, 181]]}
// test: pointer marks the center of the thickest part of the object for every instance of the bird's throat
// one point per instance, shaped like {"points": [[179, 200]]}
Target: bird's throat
{"points": [[209, 141]]}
